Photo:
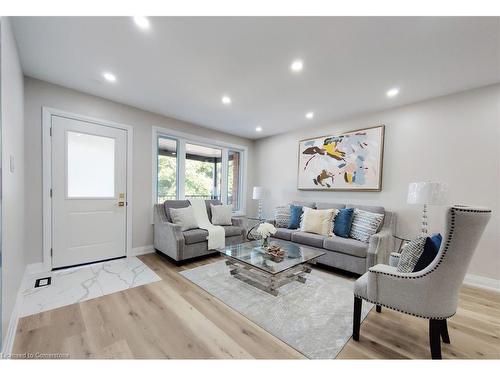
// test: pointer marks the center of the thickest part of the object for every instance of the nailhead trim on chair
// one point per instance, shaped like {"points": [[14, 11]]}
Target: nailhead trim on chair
{"points": [[448, 241], [406, 312]]}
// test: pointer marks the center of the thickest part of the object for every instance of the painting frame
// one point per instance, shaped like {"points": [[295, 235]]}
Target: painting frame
{"points": [[378, 188]]}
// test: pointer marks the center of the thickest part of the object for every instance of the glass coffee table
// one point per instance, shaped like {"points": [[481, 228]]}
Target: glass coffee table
{"points": [[250, 263]]}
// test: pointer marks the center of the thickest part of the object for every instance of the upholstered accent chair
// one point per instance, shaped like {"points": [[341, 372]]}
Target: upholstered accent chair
{"points": [[183, 245], [431, 293]]}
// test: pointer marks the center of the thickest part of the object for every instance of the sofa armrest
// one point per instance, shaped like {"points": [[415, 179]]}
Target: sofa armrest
{"points": [[379, 247], [238, 221], [168, 239]]}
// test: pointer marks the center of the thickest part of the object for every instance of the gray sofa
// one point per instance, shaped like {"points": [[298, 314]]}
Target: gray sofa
{"points": [[179, 245], [347, 253]]}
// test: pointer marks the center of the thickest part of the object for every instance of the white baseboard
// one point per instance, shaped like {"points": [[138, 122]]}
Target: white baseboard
{"points": [[8, 343], [142, 250], [482, 282]]}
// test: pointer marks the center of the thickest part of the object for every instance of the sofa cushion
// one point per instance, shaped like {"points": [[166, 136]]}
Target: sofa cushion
{"points": [[200, 235], [173, 204], [310, 239], [208, 204], [282, 216], [221, 214], [295, 216], [195, 236], [284, 233], [347, 246], [364, 224], [318, 221], [327, 205], [343, 222], [184, 217], [304, 204]]}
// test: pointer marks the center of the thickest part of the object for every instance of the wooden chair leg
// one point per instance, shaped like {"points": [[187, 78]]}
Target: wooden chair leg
{"points": [[444, 332], [435, 338], [356, 321], [378, 308]]}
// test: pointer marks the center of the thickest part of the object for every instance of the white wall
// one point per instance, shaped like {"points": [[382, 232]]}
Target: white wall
{"points": [[39, 93], [453, 139], [13, 229]]}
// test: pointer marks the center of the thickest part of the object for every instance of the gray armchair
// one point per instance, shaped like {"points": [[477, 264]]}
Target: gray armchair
{"points": [[431, 293], [178, 245]]}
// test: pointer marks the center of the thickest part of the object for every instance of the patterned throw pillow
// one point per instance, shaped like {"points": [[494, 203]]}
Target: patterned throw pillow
{"points": [[410, 254], [364, 224], [282, 216]]}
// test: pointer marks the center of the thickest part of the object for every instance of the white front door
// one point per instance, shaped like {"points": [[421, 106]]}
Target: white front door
{"points": [[89, 181]]}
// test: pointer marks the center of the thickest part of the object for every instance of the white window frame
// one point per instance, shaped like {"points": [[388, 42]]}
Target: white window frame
{"points": [[183, 138]]}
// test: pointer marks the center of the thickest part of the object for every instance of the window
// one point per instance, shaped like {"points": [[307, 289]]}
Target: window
{"points": [[202, 172], [167, 169], [188, 168], [90, 166], [233, 179]]}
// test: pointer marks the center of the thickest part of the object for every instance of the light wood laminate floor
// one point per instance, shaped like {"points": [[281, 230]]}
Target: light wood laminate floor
{"points": [[174, 318]]}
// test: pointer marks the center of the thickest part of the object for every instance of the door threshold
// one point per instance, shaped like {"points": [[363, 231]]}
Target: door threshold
{"points": [[86, 264]]}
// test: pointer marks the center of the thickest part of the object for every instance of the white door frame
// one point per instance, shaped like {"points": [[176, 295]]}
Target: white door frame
{"points": [[47, 114]]}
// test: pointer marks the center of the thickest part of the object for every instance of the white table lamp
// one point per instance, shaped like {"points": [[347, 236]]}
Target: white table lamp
{"points": [[432, 193], [258, 194]]}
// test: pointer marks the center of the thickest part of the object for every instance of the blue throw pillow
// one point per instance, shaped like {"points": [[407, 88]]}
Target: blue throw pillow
{"points": [[436, 239], [295, 214], [343, 222], [431, 248]]}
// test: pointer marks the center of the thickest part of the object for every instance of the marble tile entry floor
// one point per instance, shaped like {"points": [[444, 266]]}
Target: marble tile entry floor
{"points": [[79, 284]]}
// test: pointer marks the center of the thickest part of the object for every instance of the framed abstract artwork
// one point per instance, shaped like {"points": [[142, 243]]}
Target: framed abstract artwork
{"points": [[350, 161]]}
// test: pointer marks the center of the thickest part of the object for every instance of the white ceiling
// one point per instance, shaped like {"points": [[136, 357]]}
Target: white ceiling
{"points": [[181, 67]]}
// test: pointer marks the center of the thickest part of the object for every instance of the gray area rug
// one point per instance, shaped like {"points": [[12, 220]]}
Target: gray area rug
{"points": [[314, 318]]}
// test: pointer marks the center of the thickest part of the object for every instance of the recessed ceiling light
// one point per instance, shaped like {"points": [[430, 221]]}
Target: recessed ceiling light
{"points": [[297, 66], [142, 22], [392, 92], [226, 100], [110, 77], [258, 129], [309, 115]]}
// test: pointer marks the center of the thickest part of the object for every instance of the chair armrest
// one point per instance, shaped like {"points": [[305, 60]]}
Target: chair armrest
{"points": [[379, 247], [168, 238]]}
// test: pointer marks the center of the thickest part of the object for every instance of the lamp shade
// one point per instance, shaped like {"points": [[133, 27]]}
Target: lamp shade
{"points": [[258, 192], [434, 193]]}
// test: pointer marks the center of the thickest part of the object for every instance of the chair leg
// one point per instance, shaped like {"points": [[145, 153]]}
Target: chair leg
{"points": [[356, 321], [435, 327], [444, 332], [378, 308]]}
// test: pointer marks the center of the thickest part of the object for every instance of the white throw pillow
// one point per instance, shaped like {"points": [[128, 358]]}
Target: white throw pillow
{"points": [[318, 221], [222, 214], [184, 217]]}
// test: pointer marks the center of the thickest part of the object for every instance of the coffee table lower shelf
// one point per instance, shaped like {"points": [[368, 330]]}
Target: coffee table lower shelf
{"points": [[266, 281]]}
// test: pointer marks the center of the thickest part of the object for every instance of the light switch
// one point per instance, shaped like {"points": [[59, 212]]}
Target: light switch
{"points": [[12, 166]]}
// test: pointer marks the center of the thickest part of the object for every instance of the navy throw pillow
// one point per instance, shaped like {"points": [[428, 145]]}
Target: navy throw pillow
{"points": [[343, 222], [295, 214], [431, 248]]}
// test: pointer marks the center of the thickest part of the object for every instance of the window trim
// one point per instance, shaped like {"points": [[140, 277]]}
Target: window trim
{"points": [[183, 138]]}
